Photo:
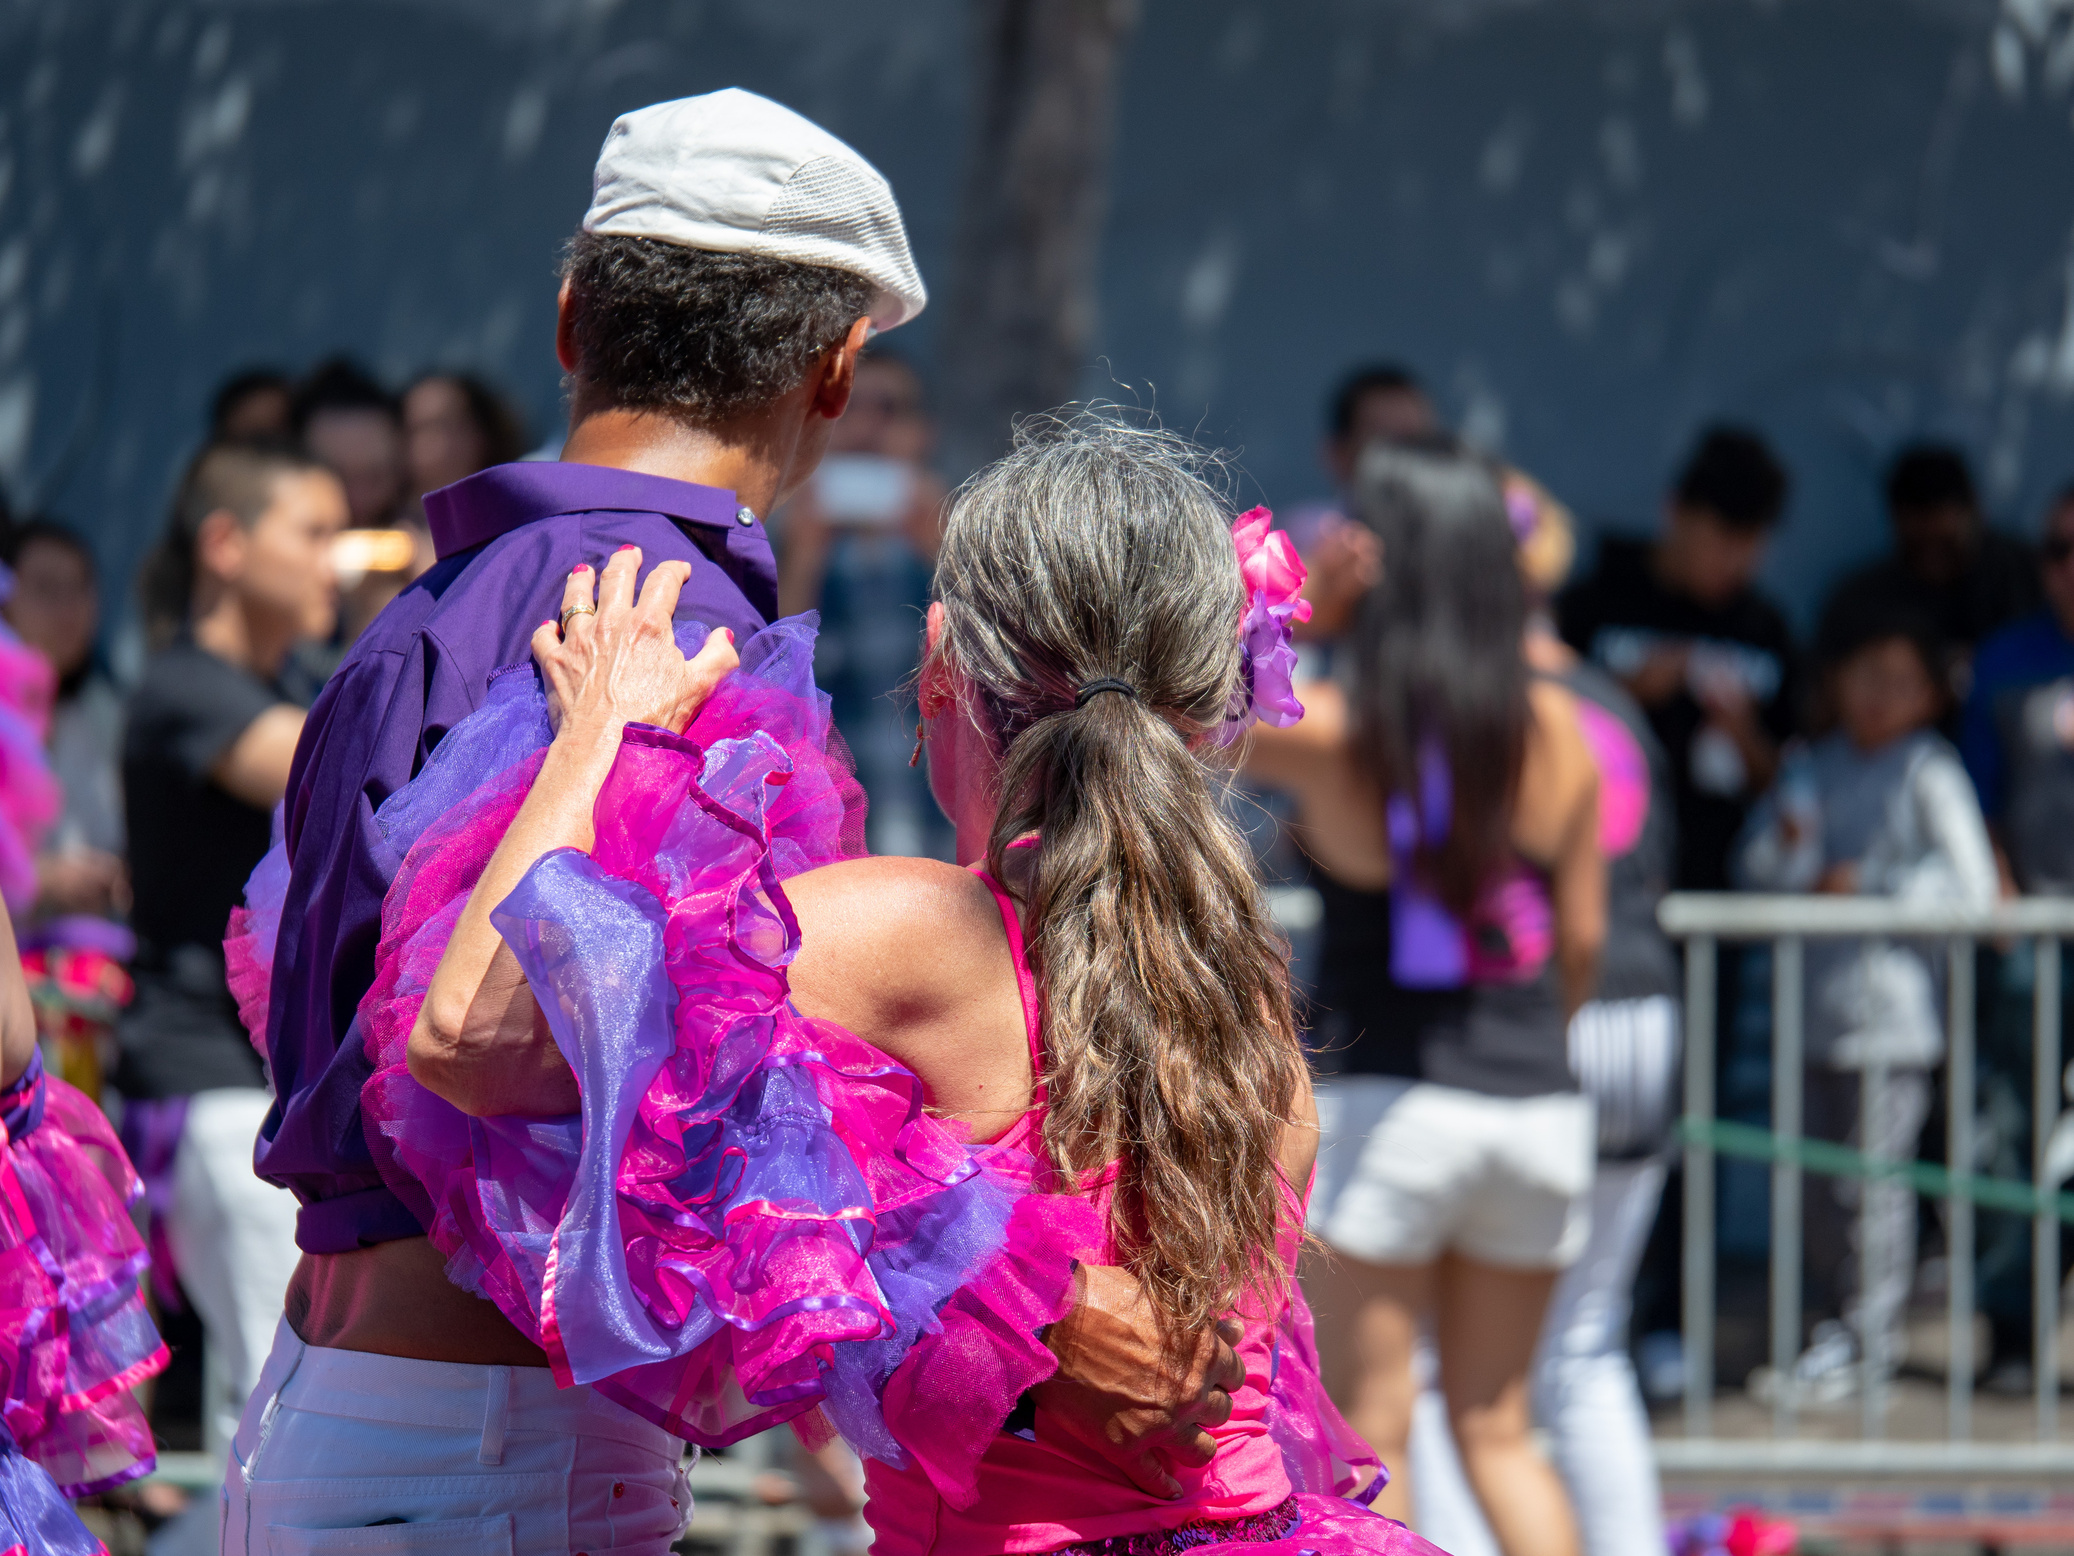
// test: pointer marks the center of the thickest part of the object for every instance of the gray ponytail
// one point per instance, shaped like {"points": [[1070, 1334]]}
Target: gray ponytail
{"points": [[1096, 552]]}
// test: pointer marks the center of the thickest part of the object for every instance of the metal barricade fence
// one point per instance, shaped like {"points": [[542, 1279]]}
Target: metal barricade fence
{"points": [[1704, 920]]}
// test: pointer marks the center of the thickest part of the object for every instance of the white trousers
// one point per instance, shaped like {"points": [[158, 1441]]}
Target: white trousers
{"points": [[385, 1456], [233, 1240], [1584, 1395]]}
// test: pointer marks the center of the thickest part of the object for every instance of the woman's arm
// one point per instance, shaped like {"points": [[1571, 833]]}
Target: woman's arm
{"points": [[478, 1041], [1300, 1139], [255, 768], [1293, 759], [1579, 896], [1557, 822]]}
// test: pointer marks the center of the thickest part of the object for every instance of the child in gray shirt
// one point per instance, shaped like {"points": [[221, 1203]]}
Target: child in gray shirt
{"points": [[1881, 806]]}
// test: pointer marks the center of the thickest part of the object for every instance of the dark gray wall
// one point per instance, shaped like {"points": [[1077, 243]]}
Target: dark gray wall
{"points": [[1591, 223]]}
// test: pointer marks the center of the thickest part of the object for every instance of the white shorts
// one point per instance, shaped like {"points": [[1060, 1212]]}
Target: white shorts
{"points": [[1408, 1171], [346, 1451]]}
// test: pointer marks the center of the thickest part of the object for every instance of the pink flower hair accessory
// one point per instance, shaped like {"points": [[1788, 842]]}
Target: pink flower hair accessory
{"points": [[1274, 576]]}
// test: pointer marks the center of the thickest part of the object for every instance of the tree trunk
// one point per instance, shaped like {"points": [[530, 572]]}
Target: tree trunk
{"points": [[1022, 302]]}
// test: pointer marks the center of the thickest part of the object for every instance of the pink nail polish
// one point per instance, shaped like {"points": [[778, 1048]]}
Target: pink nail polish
{"points": [[582, 567], [730, 636], [628, 547]]}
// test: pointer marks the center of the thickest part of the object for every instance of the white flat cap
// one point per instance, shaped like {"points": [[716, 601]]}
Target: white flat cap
{"points": [[735, 173]]}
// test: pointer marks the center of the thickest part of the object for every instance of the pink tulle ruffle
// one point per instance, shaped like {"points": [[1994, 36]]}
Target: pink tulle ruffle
{"points": [[946, 1402], [75, 1335], [248, 942]]}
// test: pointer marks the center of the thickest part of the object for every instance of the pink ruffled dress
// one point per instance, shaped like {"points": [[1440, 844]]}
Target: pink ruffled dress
{"points": [[752, 1219], [1288, 1475]]}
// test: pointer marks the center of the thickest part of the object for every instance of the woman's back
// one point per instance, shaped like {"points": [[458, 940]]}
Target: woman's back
{"points": [[1500, 1033], [1036, 1491]]}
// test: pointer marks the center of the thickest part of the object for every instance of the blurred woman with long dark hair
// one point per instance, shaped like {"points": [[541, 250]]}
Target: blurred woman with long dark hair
{"points": [[1449, 803]]}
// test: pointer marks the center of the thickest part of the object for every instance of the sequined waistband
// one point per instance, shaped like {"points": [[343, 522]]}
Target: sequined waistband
{"points": [[1276, 1523]]}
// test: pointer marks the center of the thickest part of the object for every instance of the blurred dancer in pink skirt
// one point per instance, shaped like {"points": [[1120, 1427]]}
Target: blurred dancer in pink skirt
{"points": [[75, 1335]]}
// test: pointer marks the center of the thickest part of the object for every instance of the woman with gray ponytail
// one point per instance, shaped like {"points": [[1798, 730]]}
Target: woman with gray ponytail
{"points": [[1086, 664], [1067, 1073]]}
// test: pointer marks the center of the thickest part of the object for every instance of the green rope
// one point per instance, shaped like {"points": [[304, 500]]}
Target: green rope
{"points": [[1830, 1160]]}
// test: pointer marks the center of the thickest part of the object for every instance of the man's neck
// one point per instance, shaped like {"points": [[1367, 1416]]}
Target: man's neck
{"points": [[226, 629], [750, 458]]}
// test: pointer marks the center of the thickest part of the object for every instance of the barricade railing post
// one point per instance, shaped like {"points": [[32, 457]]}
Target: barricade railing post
{"points": [[1787, 1108], [1699, 1186], [1959, 1205], [1873, 1252], [2045, 1227]]}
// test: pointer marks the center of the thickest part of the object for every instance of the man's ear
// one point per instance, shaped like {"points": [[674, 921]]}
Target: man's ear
{"points": [[839, 372], [565, 330], [219, 545]]}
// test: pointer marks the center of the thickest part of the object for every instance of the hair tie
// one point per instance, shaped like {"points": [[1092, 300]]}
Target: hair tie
{"points": [[1107, 683]]}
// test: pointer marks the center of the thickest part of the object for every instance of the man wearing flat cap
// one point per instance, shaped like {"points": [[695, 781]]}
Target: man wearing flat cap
{"points": [[734, 260]]}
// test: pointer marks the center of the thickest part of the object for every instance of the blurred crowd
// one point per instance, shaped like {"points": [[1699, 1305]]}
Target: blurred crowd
{"points": [[1919, 745], [1916, 747]]}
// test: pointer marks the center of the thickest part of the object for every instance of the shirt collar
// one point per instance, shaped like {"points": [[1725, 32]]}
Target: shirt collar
{"points": [[500, 499]]}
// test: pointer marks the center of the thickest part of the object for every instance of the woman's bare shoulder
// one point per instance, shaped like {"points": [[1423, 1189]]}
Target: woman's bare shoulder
{"points": [[887, 889], [1556, 737], [1560, 780], [884, 935]]}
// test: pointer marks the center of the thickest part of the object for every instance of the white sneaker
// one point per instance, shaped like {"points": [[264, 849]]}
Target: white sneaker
{"points": [[1827, 1374]]}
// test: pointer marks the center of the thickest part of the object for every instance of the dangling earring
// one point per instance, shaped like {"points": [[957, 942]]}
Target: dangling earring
{"points": [[921, 734]]}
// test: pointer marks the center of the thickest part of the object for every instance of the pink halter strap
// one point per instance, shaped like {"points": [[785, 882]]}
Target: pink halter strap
{"points": [[1025, 985]]}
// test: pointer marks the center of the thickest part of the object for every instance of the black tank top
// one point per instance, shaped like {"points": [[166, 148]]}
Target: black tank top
{"points": [[1500, 1039]]}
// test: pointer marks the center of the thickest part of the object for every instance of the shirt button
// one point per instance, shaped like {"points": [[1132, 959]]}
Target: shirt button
{"points": [[744, 517]]}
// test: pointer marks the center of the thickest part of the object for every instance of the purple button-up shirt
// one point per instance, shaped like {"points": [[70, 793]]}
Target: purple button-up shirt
{"points": [[506, 540]]}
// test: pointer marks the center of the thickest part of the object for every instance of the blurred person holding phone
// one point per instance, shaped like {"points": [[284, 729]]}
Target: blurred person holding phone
{"points": [[243, 574], [859, 543], [1679, 621]]}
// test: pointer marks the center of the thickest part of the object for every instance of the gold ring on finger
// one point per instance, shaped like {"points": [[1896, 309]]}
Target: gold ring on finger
{"points": [[577, 610]]}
